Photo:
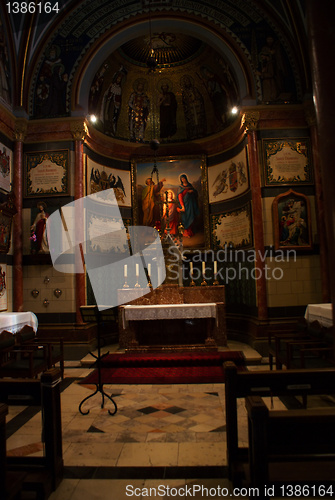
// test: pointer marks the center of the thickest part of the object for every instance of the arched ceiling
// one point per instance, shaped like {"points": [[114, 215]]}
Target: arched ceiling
{"points": [[70, 46]]}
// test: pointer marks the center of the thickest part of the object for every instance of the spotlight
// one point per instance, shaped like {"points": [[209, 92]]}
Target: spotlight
{"points": [[93, 118], [234, 110]]}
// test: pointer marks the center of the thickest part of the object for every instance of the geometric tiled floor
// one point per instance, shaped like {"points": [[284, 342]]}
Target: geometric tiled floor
{"points": [[161, 435]]}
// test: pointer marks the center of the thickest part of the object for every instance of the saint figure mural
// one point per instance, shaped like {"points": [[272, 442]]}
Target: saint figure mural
{"points": [[187, 205], [194, 109], [167, 110], [38, 230], [150, 198], [111, 102], [138, 111]]}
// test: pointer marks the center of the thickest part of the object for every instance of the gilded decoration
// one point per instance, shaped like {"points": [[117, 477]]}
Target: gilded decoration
{"points": [[186, 99], [79, 130], [250, 120], [232, 229], [47, 173], [287, 161], [20, 131]]}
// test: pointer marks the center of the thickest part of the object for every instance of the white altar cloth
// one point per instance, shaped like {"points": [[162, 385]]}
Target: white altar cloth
{"points": [[14, 321], [323, 313], [168, 311]]}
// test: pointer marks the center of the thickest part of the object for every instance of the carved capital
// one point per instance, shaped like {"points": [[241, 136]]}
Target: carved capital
{"points": [[250, 120], [79, 130], [20, 130], [310, 116]]}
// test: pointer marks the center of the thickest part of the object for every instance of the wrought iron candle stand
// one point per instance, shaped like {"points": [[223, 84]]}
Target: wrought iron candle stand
{"points": [[92, 314]]}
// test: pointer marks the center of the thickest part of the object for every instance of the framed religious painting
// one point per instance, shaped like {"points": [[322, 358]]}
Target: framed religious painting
{"points": [[3, 287], [47, 174], [287, 161], [100, 178], [228, 179], [173, 192], [232, 229], [6, 159], [292, 221]]}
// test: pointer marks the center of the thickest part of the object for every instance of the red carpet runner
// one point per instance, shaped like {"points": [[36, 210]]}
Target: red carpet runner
{"points": [[164, 368]]}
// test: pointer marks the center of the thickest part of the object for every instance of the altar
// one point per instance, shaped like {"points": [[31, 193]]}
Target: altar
{"points": [[173, 317]]}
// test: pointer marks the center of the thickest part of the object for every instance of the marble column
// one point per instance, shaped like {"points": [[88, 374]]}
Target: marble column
{"points": [[79, 132], [321, 36], [250, 120], [20, 133]]}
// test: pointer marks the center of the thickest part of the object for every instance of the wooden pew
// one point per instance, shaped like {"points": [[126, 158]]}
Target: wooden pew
{"points": [[10, 482], [43, 474], [293, 447], [265, 383]]}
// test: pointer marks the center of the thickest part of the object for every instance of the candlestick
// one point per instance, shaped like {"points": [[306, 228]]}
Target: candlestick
{"points": [[149, 269], [125, 274], [203, 283], [215, 282], [192, 283]]}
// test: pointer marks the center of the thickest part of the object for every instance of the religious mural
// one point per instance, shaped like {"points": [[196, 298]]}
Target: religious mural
{"points": [[5, 168], [292, 221], [101, 178], [173, 193], [228, 179], [5, 92], [3, 287], [216, 79]]}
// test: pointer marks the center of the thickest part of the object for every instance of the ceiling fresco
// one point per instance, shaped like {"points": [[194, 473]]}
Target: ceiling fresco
{"points": [[183, 100], [86, 43]]}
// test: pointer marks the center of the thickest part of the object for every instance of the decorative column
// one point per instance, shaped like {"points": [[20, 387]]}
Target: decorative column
{"points": [[79, 132], [321, 36], [320, 212], [20, 133], [250, 121]]}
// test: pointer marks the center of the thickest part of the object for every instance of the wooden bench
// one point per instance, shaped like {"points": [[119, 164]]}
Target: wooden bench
{"points": [[54, 347], [21, 363], [293, 447], [42, 474], [305, 334], [265, 383]]}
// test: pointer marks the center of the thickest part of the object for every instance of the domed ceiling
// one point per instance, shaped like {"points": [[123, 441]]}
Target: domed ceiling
{"points": [[169, 86]]}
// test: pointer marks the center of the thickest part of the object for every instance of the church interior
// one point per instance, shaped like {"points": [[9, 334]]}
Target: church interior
{"points": [[166, 192]]}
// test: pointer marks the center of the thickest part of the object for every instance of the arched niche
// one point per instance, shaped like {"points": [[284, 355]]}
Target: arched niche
{"points": [[97, 55]]}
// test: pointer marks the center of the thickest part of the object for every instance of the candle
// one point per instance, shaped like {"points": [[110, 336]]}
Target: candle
{"points": [[203, 268], [191, 267], [125, 270], [137, 270], [149, 269], [215, 267]]}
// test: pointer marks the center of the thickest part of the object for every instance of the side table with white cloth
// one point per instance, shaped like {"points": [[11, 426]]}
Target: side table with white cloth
{"points": [[323, 313], [14, 321]]}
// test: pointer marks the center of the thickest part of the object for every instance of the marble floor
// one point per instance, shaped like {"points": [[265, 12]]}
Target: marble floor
{"points": [[162, 436]]}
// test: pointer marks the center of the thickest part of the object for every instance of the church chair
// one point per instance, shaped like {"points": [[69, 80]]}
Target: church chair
{"points": [[20, 363], [26, 338], [304, 352]]}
